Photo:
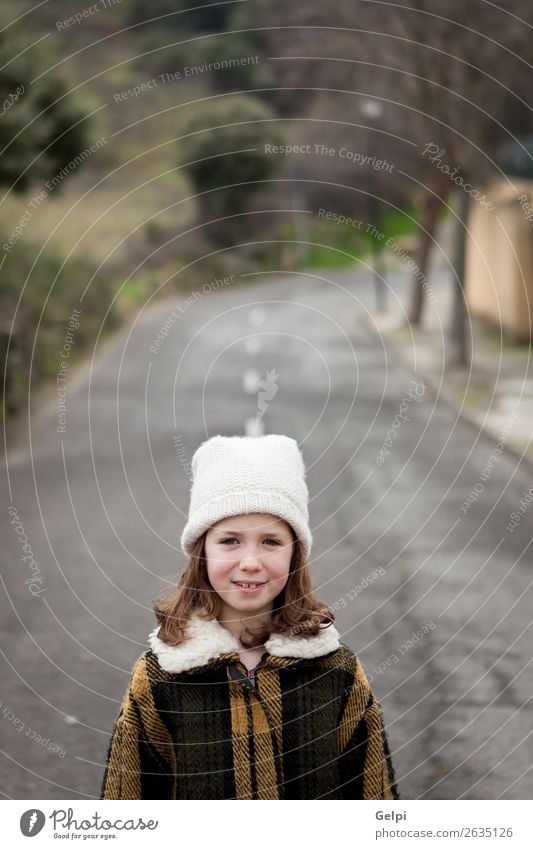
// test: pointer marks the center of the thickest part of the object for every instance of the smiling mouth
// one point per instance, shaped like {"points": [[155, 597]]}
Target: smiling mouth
{"points": [[248, 584]]}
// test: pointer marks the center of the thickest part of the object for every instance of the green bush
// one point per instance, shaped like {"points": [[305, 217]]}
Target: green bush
{"points": [[197, 17], [224, 145], [225, 62], [42, 126], [35, 336]]}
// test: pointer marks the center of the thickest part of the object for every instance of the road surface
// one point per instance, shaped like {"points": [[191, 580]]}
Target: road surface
{"points": [[435, 597]]}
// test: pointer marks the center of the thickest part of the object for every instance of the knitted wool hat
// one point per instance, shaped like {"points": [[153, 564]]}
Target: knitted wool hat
{"points": [[233, 475]]}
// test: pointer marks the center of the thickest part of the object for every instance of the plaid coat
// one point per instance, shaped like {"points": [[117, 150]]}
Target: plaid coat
{"points": [[194, 724]]}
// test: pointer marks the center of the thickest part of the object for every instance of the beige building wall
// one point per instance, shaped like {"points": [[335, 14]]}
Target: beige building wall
{"points": [[499, 259]]}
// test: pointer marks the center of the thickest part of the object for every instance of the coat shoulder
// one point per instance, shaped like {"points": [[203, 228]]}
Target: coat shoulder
{"points": [[146, 674], [148, 671], [345, 660]]}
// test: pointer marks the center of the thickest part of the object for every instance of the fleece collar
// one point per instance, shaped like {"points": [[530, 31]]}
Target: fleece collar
{"points": [[209, 639]]}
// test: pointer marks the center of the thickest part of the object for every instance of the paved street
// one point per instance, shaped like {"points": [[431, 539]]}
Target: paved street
{"points": [[391, 468]]}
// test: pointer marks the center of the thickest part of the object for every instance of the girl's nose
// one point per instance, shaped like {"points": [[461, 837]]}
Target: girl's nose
{"points": [[251, 561]]}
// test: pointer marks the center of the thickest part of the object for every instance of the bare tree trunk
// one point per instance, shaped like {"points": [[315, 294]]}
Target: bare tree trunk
{"points": [[458, 323], [429, 209]]}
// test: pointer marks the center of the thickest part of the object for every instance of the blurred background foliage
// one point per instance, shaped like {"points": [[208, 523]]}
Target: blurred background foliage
{"points": [[223, 148], [380, 81]]}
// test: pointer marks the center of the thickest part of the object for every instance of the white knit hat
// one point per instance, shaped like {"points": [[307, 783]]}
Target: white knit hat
{"points": [[233, 475]]}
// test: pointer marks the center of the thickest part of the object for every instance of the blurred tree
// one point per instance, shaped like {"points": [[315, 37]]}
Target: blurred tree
{"points": [[224, 150], [48, 15], [450, 73], [462, 70], [275, 27], [192, 16], [41, 128], [217, 55]]}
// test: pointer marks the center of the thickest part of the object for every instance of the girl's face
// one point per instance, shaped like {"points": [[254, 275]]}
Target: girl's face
{"points": [[252, 549]]}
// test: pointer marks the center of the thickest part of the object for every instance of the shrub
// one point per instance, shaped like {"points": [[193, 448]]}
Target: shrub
{"points": [[36, 337], [224, 153]]}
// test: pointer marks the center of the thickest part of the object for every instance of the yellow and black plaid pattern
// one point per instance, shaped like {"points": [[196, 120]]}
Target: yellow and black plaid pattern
{"points": [[309, 729]]}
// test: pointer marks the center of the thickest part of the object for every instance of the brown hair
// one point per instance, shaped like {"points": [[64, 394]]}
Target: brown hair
{"points": [[296, 609]]}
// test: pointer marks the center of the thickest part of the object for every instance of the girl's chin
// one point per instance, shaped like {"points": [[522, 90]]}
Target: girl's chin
{"points": [[247, 599]]}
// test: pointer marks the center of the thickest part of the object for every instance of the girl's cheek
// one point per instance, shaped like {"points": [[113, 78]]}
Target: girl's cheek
{"points": [[279, 579]]}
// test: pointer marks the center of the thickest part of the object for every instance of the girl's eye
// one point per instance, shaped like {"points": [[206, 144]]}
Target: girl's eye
{"points": [[234, 539]]}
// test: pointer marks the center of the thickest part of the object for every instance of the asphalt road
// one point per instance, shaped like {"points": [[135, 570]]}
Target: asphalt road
{"points": [[102, 505]]}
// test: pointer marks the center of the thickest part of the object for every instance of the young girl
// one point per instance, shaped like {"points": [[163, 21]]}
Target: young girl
{"points": [[247, 691]]}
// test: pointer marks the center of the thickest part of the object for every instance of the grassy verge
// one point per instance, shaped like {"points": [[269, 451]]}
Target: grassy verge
{"points": [[342, 246]]}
